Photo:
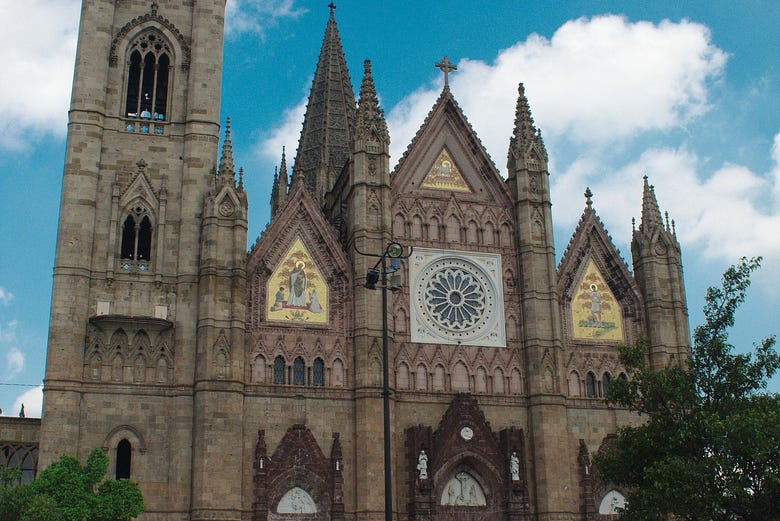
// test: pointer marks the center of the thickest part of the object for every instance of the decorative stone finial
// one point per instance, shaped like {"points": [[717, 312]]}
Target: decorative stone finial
{"points": [[588, 197], [332, 7]]}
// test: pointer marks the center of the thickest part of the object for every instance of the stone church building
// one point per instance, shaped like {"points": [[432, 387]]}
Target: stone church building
{"points": [[235, 385]]}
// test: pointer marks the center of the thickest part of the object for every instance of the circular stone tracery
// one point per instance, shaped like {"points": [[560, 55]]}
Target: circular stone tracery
{"points": [[456, 298]]}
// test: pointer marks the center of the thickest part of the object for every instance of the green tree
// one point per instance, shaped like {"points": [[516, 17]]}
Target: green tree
{"points": [[710, 448], [68, 491]]}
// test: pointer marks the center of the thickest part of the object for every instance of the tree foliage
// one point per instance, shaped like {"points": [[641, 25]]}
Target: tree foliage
{"points": [[68, 491], [710, 448]]}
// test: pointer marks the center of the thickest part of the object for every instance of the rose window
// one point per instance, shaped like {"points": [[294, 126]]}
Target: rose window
{"points": [[455, 298]]}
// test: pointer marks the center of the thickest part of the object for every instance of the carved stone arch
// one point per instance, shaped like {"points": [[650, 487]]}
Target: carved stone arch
{"points": [[506, 236], [452, 228], [439, 378], [402, 322], [111, 443], [434, 228], [152, 21], [512, 332], [258, 368], [489, 233], [460, 377], [481, 380], [421, 376], [338, 373], [480, 471], [399, 225], [221, 358], [574, 382], [499, 381], [403, 376], [119, 343], [515, 381], [297, 463]]}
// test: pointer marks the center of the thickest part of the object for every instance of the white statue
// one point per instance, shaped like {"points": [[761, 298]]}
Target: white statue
{"points": [[422, 465], [514, 467]]}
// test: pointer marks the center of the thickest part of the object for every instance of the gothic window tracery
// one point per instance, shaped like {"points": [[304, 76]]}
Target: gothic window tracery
{"points": [[591, 390], [149, 66], [23, 457], [319, 372], [136, 243], [279, 367], [299, 371]]}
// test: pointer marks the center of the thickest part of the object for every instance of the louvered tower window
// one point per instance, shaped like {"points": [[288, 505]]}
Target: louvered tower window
{"points": [[148, 82]]}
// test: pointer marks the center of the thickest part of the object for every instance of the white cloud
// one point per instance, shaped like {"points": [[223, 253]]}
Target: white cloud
{"points": [[255, 16], [37, 73], [15, 361], [5, 296], [286, 134], [33, 403], [14, 358], [596, 81], [597, 86]]}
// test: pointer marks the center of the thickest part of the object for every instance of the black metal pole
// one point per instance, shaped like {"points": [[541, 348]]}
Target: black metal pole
{"points": [[386, 398]]}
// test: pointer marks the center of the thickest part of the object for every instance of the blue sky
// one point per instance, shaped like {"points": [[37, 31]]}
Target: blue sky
{"points": [[685, 92]]}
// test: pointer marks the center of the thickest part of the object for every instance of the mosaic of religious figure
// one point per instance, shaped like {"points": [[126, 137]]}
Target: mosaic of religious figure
{"points": [[296, 289], [444, 175], [595, 312]]}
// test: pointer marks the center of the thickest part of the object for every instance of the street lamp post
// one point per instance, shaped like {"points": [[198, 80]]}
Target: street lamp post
{"points": [[380, 271]]}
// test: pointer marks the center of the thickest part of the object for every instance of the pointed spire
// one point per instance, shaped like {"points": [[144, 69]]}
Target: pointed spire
{"points": [[525, 134], [280, 188], [328, 126], [651, 214], [369, 115], [241, 178], [227, 169]]}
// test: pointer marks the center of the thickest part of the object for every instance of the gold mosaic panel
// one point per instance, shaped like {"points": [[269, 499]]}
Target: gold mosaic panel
{"points": [[596, 314], [296, 290]]}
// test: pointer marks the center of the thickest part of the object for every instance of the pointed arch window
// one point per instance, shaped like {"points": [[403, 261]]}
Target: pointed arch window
{"points": [[590, 385], [123, 459], [136, 244], [299, 371], [319, 372], [148, 82], [279, 370]]}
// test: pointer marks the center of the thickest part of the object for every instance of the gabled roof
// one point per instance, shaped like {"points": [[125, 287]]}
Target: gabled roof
{"points": [[592, 240], [301, 217], [447, 130]]}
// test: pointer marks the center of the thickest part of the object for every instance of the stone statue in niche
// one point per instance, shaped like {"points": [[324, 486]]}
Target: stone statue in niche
{"points": [[422, 465], [514, 467]]}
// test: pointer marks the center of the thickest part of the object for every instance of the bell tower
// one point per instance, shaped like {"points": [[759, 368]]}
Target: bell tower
{"points": [[141, 161]]}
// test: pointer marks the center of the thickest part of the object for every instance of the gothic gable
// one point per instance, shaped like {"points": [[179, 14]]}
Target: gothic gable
{"points": [[447, 156], [600, 299], [297, 270]]}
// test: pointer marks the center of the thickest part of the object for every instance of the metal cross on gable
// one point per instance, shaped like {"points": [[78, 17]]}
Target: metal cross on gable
{"points": [[446, 66]]}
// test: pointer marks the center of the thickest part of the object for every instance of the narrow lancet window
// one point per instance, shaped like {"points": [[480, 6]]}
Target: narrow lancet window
{"points": [[123, 459], [136, 242], [279, 370]]}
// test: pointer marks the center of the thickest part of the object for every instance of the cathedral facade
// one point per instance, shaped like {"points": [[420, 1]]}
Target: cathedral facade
{"points": [[235, 385]]}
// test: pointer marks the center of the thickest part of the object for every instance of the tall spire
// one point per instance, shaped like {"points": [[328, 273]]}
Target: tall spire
{"points": [[280, 188], [525, 134], [369, 115], [227, 168], [328, 125], [651, 214]]}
